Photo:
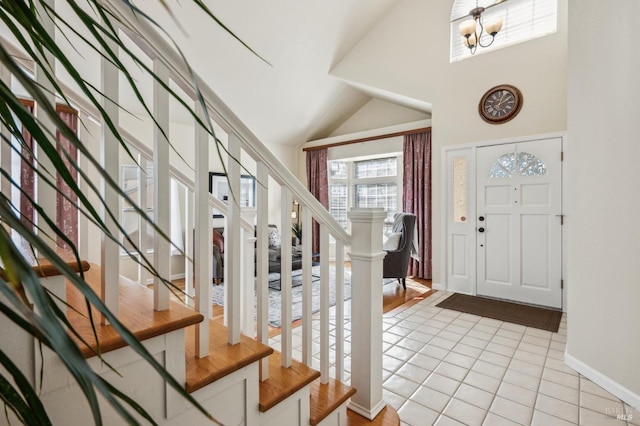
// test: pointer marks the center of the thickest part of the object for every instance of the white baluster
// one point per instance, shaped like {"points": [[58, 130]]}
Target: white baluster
{"points": [[285, 276], [203, 238], [262, 262], [188, 245], [45, 195], [366, 327], [248, 294], [110, 161], [162, 188], [143, 227], [5, 145], [324, 304], [83, 223], [339, 310], [232, 251], [307, 290]]}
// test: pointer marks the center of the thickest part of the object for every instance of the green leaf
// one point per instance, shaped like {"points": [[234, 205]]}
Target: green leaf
{"points": [[29, 305], [30, 408]]}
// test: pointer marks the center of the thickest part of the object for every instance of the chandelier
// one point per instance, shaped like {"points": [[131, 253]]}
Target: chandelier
{"points": [[471, 37]]}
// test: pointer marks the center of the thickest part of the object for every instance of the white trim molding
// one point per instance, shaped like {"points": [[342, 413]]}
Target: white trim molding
{"points": [[626, 395], [445, 151]]}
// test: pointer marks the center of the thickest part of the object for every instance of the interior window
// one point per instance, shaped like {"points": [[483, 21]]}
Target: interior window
{"points": [[371, 182], [522, 20]]}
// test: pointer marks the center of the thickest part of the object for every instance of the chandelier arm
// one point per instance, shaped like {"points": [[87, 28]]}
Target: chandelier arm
{"points": [[478, 38]]}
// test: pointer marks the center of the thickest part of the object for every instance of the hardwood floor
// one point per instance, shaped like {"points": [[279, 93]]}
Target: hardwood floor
{"points": [[393, 296]]}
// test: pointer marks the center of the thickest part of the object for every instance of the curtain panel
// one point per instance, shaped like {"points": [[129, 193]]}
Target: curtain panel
{"points": [[27, 174], [66, 210], [416, 198], [318, 183]]}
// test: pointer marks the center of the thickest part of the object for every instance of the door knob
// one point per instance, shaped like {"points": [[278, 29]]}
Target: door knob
{"points": [[480, 229]]}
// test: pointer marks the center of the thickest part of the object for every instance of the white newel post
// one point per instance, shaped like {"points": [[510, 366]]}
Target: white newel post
{"points": [[366, 292]]}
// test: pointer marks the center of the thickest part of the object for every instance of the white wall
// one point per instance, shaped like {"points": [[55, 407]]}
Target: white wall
{"points": [[604, 232], [408, 53], [373, 148], [376, 114]]}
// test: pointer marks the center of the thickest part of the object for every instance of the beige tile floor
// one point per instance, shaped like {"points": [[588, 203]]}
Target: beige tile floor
{"points": [[444, 367]]}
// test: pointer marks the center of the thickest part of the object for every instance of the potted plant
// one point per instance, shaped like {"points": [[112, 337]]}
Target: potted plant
{"points": [[28, 22], [296, 229]]}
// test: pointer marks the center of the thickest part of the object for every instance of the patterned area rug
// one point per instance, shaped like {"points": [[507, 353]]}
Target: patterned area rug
{"points": [[275, 301]]}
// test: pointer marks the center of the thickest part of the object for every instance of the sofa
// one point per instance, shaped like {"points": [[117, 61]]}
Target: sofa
{"points": [[274, 253]]}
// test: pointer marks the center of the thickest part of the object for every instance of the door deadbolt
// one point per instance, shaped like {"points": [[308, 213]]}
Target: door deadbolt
{"points": [[481, 218]]}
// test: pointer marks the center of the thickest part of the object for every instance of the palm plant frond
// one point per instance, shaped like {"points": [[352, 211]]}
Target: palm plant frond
{"points": [[24, 300]]}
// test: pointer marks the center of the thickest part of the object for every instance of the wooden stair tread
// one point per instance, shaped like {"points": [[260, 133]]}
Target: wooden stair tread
{"points": [[43, 267], [136, 313], [387, 417], [223, 358], [284, 382], [326, 398]]}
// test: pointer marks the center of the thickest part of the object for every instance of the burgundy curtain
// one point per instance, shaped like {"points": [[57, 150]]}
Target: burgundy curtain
{"points": [[27, 174], [318, 182], [66, 210], [416, 184]]}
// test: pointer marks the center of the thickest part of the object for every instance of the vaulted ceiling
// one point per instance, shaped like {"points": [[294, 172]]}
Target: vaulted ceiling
{"points": [[290, 97]]}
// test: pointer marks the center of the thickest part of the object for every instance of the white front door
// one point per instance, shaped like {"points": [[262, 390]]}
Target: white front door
{"points": [[518, 222]]}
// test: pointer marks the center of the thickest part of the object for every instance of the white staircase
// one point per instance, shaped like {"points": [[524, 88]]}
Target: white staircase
{"points": [[239, 379]]}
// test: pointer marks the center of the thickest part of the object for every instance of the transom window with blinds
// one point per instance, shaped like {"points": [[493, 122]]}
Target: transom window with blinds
{"points": [[373, 182], [522, 20]]}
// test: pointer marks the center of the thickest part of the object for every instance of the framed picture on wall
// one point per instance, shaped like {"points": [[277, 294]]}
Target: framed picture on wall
{"points": [[219, 187]]}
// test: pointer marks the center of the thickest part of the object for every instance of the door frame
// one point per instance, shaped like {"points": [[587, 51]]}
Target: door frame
{"points": [[469, 150]]}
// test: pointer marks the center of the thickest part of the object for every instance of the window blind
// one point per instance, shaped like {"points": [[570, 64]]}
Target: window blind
{"points": [[522, 20]]}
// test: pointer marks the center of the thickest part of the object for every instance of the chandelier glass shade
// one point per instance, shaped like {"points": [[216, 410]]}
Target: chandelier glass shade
{"points": [[473, 29]]}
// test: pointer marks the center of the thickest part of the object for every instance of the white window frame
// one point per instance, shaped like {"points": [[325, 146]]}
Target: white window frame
{"points": [[351, 181], [523, 20]]}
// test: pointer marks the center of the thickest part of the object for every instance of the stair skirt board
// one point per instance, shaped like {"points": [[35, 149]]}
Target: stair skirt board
{"points": [[296, 406], [337, 416], [232, 400]]}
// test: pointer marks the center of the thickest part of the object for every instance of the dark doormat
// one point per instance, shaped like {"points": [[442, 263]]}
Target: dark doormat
{"points": [[530, 316]]}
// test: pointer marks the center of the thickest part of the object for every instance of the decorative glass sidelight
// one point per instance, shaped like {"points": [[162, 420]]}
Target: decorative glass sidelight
{"points": [[460, 194], [517, 164]]}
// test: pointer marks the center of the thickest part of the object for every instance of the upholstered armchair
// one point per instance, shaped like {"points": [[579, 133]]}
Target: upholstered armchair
{"points": [[396, 262], [218, 257]]}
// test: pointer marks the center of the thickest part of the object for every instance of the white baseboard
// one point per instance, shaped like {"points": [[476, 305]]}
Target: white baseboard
{"points": [[173, 277], [615, 388], [437, 286]]}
